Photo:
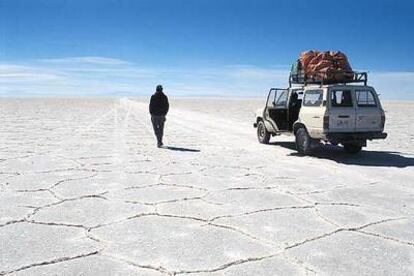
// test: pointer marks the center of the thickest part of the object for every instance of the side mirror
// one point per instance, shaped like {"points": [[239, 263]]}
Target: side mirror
{"points": [[324, 103]]}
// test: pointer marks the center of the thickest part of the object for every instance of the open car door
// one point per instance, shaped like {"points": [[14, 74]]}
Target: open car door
{"points": [[276, 111]]}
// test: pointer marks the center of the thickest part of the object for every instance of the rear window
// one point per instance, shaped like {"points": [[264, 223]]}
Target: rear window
{"points": [[365, 98], [313, 98], [341, 98]]}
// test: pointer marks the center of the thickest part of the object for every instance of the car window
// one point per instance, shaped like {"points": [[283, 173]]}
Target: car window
{"points": [[313, 98], [365, 98], [281, 100], [341, 98], [277, 98], [271, 98]]}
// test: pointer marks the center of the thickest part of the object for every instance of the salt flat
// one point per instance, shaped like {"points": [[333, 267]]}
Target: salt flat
{"points": [[84, 190]]}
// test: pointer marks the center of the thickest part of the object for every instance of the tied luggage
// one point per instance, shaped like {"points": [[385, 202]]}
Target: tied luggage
{"points": [[329, 66]]}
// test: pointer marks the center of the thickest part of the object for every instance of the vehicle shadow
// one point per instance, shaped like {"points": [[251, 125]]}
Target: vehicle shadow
{"points": [[364, 158], [181, 149], [284, 144]]}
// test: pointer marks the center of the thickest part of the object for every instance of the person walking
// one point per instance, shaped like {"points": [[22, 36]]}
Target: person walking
{"points": [[158, 109]]}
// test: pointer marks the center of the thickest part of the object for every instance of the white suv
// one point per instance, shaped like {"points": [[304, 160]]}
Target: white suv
{"points": [[335, 113]]}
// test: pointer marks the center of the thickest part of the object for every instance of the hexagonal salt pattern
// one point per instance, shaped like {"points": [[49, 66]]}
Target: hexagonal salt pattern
{"points": [[85, 191]]}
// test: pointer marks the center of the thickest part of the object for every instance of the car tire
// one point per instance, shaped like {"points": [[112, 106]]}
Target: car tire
{"points": [[262, 134], [303, 141], [352, 148]]}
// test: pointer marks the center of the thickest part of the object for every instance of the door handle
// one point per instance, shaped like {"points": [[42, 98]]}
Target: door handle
{"points": [[343, 116], [316, 117]]}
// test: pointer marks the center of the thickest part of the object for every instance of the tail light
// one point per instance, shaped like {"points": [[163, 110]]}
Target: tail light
{"points": [[326, 122], [382, 120]]}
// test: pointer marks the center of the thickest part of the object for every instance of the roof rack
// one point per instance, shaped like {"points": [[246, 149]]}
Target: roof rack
{"points": [[346, 77]]}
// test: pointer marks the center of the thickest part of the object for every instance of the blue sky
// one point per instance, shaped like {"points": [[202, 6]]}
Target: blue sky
{"points": [[197, 47]]}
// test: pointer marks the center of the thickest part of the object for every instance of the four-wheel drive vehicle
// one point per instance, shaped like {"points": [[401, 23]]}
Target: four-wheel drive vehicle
{"points": [[333, 113]]}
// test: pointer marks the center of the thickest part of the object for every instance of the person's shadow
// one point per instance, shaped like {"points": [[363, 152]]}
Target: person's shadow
{"points": [[364, 158], [181, 149]]}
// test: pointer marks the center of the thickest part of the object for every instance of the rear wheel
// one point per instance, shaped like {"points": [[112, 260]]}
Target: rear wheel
{"points": [[352, 148], [303, 141], [262, 134]]}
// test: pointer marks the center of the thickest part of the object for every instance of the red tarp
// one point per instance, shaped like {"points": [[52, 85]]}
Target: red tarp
{"points": [[329, 65]]}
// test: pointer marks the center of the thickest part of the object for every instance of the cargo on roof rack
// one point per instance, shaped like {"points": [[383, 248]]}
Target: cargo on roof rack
{"points": [[324, 67]]}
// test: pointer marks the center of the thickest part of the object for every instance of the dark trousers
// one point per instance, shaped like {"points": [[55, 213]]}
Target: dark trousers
{"points": [[158, 125]]}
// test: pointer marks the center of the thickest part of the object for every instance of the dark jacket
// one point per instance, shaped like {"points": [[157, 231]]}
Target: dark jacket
{"points": [[159, 104]]}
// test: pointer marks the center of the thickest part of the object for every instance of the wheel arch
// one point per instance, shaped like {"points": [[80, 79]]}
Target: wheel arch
{"points": [[297, 126]]}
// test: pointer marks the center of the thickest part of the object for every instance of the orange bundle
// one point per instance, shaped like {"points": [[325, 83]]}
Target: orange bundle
{"points": [[329, 65]]}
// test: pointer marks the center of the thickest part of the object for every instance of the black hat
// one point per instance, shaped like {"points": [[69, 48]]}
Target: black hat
{"points": [[159, 88]]}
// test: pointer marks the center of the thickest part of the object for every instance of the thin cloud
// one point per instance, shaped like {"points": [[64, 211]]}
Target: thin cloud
{"points": [[86, 60], [16, 73]]}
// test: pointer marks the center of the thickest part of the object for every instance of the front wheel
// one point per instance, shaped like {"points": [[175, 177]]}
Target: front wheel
{"points": [[303, 141], [262, 134], [352, 148]]}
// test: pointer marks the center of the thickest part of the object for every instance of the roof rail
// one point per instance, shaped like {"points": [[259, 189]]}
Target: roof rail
{"points": [[345, 78]]}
